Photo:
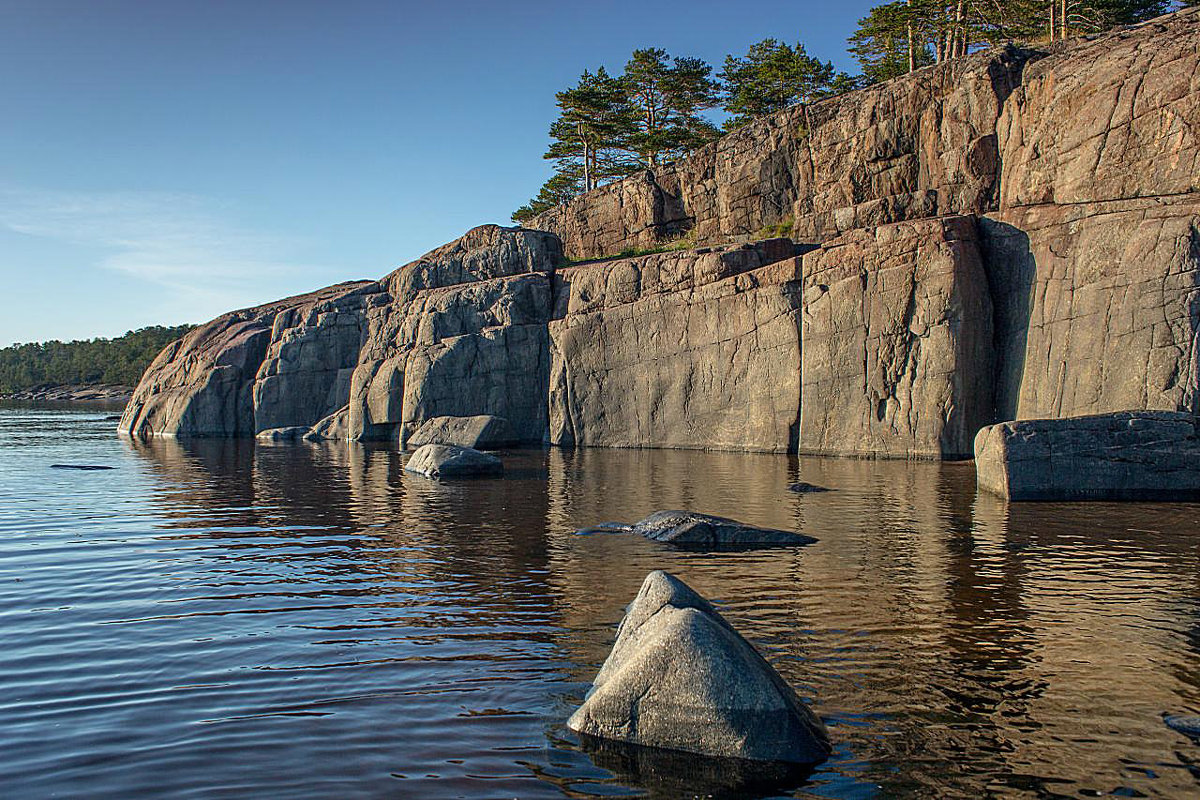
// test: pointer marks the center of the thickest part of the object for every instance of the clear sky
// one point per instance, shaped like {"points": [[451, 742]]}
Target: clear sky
{"points": [[164, 161]]}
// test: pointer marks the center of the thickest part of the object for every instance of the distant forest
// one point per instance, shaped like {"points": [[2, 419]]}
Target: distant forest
{"points": [[610, 126], [113, 361]]}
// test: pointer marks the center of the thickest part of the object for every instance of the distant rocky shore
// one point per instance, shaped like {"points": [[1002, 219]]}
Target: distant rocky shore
{"points": [[59, 393]]}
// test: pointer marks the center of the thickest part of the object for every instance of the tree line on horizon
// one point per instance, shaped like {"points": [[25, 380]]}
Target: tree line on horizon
{"points": [[611, 126], [120, 361]]}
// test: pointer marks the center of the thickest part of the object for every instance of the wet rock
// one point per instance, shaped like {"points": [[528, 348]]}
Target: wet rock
{"points": [[1130, 455], [450, 461], [706, 532], [679, 677], [480, 432], [678, 774], [289, 434], [1187, 724], [806, 488], [605, 527]]}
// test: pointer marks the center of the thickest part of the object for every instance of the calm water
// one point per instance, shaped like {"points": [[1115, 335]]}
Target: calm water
{"points": [[220, 619]]}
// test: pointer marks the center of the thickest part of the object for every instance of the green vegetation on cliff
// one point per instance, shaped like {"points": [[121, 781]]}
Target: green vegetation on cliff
{"points": [[610, 127], [112, 361]]}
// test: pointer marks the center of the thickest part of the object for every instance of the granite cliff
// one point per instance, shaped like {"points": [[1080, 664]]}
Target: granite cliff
{"points": [[1014, 234]]}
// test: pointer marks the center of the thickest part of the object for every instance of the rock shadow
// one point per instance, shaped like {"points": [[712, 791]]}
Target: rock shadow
{"points": [[1011, 271]]}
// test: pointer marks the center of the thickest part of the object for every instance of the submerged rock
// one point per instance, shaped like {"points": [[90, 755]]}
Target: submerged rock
{"points": [[481, 432], [88, 467], [1130, 455], [706, 532], [451, 461], [806, 488], [680, 677]]}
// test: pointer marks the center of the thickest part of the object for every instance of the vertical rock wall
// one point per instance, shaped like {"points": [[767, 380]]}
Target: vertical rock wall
{"points": [[1008, 235], [897, 342]]}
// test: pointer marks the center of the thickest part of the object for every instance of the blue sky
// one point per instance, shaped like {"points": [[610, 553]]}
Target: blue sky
{"points": [[163, 162]]}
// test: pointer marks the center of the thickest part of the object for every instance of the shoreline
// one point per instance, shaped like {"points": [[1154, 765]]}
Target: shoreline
{"points": [[69, 393]]}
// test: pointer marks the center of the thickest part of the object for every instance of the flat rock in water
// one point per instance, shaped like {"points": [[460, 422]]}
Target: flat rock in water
{"points": [[1125, 455], [88, 467], [706, 532], [450, 461], [680, 677], [289, 434], [481, 432]]}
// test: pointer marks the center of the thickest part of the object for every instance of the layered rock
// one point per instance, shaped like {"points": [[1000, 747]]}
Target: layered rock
{"points": [[696, 349], [897, 342], [1133, 455], [917, 146]]}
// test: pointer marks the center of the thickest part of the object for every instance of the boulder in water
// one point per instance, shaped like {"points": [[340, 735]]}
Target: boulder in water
{"points": [[680, 677], [706, 532], [451, 461]]}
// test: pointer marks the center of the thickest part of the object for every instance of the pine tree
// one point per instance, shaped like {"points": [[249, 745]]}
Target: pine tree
{"points": [[593, 129], [772, 76], [668, 95]]}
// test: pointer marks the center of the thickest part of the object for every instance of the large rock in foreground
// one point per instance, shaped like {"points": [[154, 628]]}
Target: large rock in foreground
{"points": [[449, 461], [1130, 455], [679, 677], [706, 532], [481, 432]]}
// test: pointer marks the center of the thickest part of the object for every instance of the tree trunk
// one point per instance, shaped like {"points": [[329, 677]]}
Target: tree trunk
{"points": [[1053, 3], [912, 52]]}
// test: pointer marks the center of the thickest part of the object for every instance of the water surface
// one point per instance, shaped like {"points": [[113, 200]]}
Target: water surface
{"points": [[231, 619]]}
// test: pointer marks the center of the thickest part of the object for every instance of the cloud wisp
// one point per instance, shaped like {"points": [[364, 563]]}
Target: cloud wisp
{"points": [[182, 242]]}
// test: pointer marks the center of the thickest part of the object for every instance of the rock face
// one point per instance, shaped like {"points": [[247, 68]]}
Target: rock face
{"points": [[705, 532], [205, 383], [897, 342], [680, 677], [918, 146], [449, 461], [481, 432], [1133, 455], [1010, 235], [691, 349]]}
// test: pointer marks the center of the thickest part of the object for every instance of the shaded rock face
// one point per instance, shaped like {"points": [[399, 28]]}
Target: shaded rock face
{"points": [[897, 342], [1133, 455], [450, 461], [481, 432], [680, 677], [694, 531], [689, 349], [917, 146]]}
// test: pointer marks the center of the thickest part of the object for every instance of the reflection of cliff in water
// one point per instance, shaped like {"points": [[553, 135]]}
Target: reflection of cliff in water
{"points": [[952, 642]]}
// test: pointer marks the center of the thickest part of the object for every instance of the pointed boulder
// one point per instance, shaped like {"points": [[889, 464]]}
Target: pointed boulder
{"points": [[680, 677]]}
